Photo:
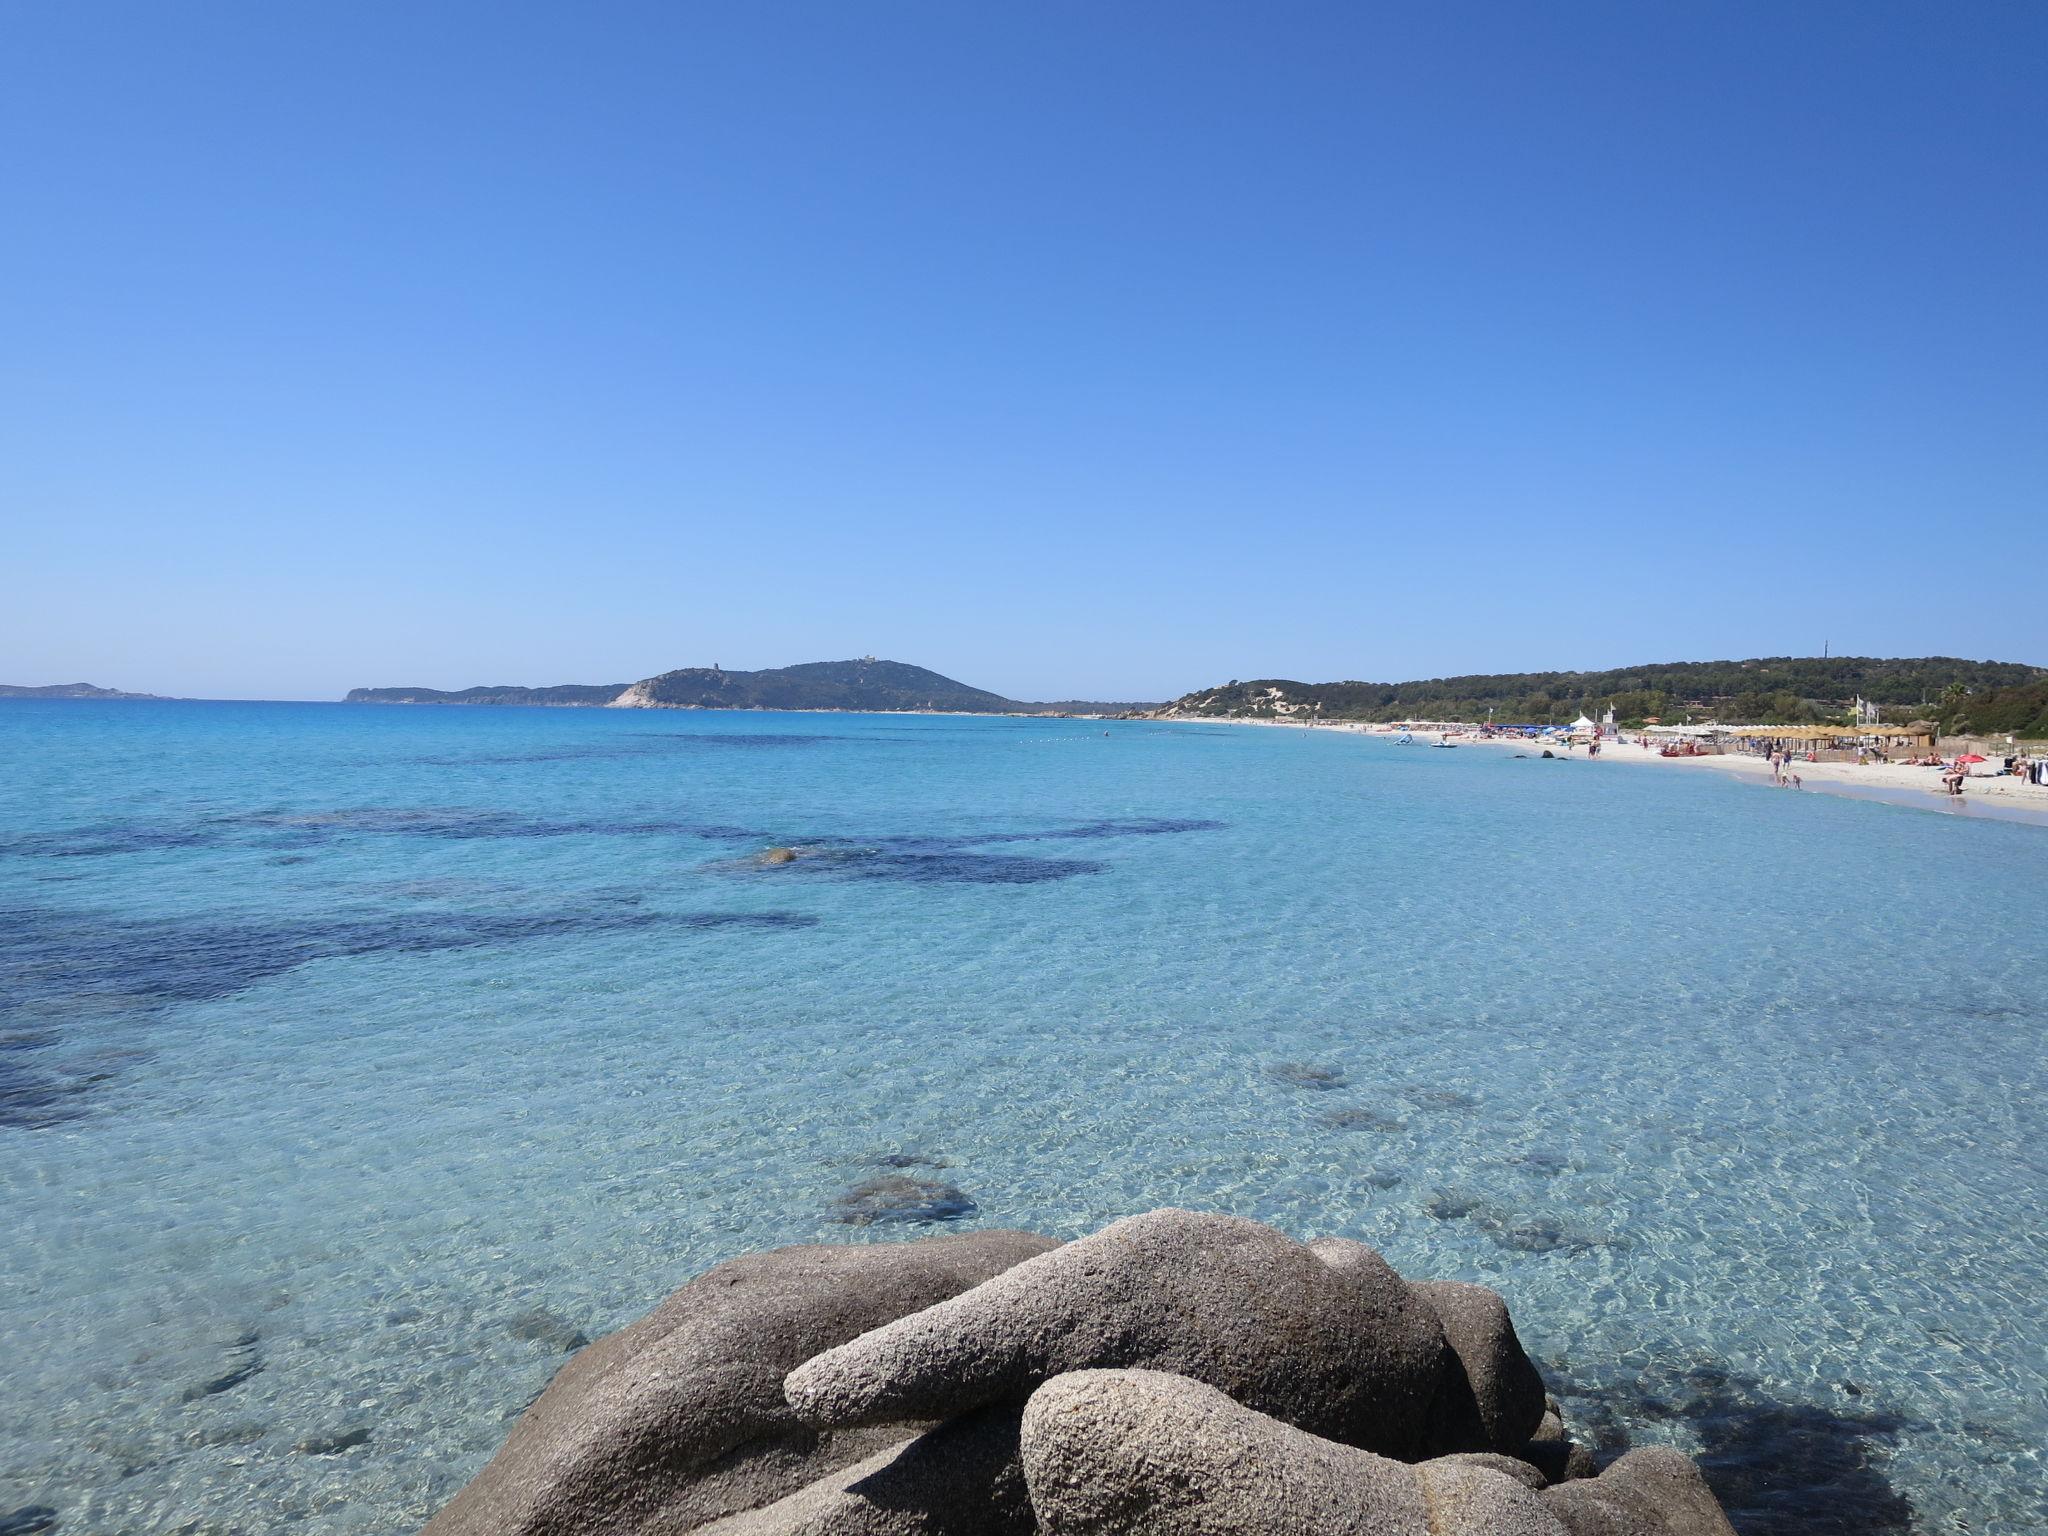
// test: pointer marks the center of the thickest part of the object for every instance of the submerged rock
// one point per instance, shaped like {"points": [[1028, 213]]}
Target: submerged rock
{"points": [[1523, 1234], [28, 1520], [1356, 1117], [1425, 1097], [242, 1359], [1781, 1465], [332, 1442], [1306, 1074], [537, 1325], [899, 1197], [777, 856]]}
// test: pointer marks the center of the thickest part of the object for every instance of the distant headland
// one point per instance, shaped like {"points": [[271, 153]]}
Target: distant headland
{"points": [[68, 691], [866, 685]]}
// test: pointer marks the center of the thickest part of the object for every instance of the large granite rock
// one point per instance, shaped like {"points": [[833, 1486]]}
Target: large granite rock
{"points": [[962, 1479], [1177, 1374], [680, 1418], [1503, 1392], [1654, 1491], [1346, 1351], [1141, 1451]]}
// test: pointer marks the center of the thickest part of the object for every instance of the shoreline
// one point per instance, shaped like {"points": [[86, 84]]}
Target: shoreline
{"points": [[2002, 797]]}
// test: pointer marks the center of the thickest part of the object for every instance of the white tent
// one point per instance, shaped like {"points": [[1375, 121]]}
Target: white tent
{"points": [[1582, 724]]}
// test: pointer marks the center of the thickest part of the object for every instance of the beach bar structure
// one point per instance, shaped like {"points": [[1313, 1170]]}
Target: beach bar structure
{"points": [[1840, 742]]}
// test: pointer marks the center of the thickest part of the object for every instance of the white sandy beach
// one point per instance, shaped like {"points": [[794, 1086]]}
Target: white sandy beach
{"points": [[1895, 777], [1890, 781]]}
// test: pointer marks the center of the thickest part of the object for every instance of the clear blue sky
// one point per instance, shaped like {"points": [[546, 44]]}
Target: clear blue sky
{"points": [[1084, 348]]}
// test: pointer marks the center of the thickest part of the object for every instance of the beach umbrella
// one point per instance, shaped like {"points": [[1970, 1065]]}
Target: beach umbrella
{"points": [[1971, 757]]}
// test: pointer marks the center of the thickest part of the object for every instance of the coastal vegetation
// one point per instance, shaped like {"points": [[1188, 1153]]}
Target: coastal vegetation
{"points": [[2020, 711], [1771, 690], [67, 691]]}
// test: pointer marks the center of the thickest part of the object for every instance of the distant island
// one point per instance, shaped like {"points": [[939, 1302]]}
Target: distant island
{"points": [[866, 685], [68, 691], [1966, 697]]}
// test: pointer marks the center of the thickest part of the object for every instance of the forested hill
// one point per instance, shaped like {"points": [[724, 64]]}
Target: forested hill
{"points": [[865, 684], [1772, 688], [67, 691]]}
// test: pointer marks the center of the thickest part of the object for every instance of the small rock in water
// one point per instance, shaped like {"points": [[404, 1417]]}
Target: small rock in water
{"points": [[1380, 1179], [1423, 1097], [898, 1197], [333, 1442], [245, 1432], [1306, 1074], [29, 1520], [1534, 1235], [1546, 1164], [540, 1326], [909, 1160], [242, 1360], [1523, 1234], [1359, 1118], [779, 856]]}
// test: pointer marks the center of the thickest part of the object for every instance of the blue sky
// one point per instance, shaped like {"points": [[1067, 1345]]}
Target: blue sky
{"points": [[1092, 349]]}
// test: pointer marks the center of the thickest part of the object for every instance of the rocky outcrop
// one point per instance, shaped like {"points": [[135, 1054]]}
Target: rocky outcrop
{"points": [[964, 1478], [1217, 1298], [681, 1418], [1142, 1451], [1499, 1392], [1174, 1373]]}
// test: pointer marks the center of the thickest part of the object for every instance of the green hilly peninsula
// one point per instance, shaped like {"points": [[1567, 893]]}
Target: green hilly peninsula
{"points": [[867, 684], [68, 691], [1783, 690]]}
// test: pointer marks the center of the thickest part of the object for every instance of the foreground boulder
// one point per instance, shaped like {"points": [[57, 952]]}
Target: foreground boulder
{"points": [[1501, 1393], [1110, 1452], [1347, 1352], [1175, 1373], [963, 1478], [1654, 1491], [680, 1418], [1115, 1451]]}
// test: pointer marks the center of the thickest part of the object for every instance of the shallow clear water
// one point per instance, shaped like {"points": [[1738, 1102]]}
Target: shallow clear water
{"points": [[354, 1062]]}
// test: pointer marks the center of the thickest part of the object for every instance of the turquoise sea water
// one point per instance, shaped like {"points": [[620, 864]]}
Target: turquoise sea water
{"points": [[356, 1062]]}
